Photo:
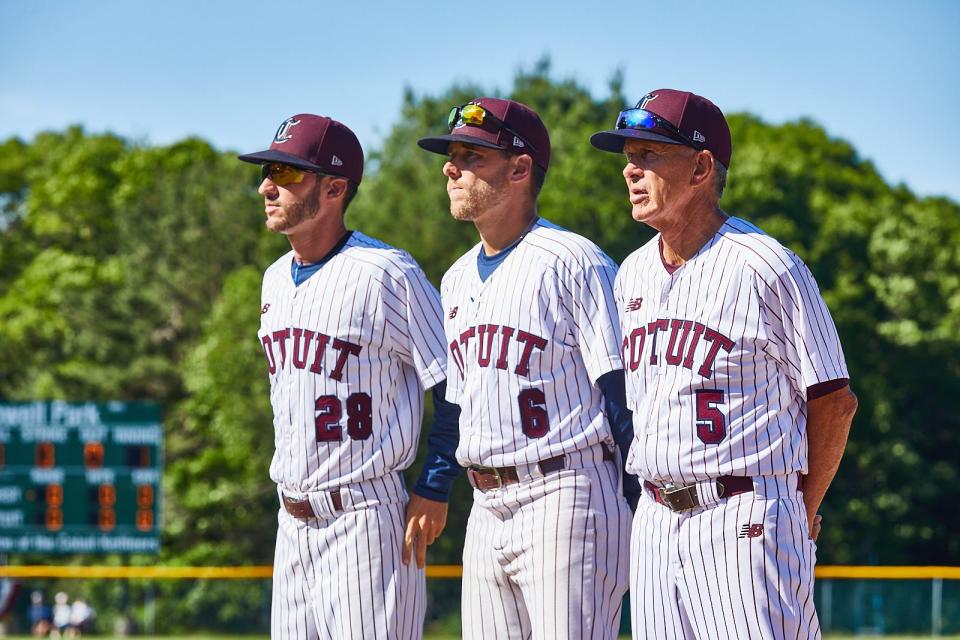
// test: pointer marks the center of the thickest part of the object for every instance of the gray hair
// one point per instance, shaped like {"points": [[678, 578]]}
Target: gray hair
{"points": [[719, 178]]}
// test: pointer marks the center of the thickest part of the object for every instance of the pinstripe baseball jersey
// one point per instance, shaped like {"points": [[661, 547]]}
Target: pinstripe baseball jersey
{"points": [[349, 353], [719, 354], [526, 347]]}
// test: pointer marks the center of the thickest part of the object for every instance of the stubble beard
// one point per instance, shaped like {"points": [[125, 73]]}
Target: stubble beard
{"points": [[297, 212], [481, 197]]}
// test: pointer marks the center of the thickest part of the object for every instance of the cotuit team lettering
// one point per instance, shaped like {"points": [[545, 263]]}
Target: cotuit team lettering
{"points": [[678, 352], [487, 336], [301, 350]]}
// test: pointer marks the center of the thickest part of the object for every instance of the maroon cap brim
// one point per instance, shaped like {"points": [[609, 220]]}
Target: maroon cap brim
{"points": [[271, 155], [439, 144], [612, 141]]}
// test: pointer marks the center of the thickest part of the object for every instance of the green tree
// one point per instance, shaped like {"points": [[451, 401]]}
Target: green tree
{"points": [[866, 242], [403, 199], [133, 272], [114, 256], [221, 447], [887, 266]]}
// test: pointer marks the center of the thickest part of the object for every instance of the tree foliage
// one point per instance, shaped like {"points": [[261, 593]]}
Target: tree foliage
{"points": [[133, 272]]}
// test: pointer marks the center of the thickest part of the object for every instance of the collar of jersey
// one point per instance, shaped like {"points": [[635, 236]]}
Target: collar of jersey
{"points": [[301, 272], [513, 245]]}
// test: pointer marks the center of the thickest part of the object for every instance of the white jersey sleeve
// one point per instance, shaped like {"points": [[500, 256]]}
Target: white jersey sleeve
{"points": [[593, 313], [414, 326], [801, 330]]}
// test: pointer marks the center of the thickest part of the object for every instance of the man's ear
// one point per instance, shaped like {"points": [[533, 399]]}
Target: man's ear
{"points": [[703, 169], [522, 167], [336, 188]]}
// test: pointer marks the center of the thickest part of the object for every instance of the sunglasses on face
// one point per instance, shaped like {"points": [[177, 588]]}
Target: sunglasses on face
{"points": [[282, 174], [643, 119], [476, 116]]}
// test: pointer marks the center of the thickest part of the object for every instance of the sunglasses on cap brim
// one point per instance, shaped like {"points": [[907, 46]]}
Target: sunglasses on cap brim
{"points": [[474, 115], [641, 119]]}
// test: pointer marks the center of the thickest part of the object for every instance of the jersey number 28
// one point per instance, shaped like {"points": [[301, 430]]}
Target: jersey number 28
{"points": [[359, 417]]}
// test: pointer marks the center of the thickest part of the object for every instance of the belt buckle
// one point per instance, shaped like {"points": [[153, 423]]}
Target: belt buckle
{"points": [[488, 470], [300, 509], [680, 498]]}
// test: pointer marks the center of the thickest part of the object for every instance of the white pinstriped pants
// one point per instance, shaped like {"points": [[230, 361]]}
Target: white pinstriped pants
{"points": [[742, 568], [339, 576], [547, 558]]}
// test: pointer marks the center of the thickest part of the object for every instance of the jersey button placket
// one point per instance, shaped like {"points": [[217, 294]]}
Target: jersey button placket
{"points": [[668, 285], [476, 303]]}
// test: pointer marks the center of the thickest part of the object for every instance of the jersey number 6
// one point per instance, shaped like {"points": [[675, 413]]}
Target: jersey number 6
{"points": [[711, 423], [533, 413], [359, 417]]}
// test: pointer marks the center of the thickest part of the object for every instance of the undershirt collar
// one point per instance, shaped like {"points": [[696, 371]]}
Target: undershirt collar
{"points": [[301, 272], [486, 265]]}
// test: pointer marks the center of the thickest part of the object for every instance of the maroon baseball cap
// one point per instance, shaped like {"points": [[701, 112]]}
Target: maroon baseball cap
{"points": [[694, 116], [515, 127], [314, 143]]}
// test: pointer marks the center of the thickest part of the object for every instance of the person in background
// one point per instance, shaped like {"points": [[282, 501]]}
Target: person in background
{"points": [[39, 615], [81, 618], [61, 614]]}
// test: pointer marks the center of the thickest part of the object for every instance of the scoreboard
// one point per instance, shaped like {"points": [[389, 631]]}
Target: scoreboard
{"points": [[80, 477]]}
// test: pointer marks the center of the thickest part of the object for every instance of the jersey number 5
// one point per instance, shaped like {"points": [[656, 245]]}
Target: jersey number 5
{"points": [[359, 417], [711, 423]]}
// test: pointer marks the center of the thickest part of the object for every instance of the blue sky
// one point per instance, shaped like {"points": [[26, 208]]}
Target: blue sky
{"points": [[883, 75]]}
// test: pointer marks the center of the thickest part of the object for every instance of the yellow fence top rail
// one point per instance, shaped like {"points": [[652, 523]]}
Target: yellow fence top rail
{"points": [[44, 571], [888, 573], [176, 573], [433, 571]]}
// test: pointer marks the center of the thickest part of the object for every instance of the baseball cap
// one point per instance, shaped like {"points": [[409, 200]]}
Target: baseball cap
{"points": [[314, 143], [514, 127], [695, 117]]}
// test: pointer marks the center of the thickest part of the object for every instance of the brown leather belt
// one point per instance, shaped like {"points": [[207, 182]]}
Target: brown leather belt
{"points": [[301, 508], [487, 478], [677, 498]]}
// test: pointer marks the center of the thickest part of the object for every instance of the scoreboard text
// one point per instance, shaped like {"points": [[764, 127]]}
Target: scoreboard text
{"points": [[80, 477]]}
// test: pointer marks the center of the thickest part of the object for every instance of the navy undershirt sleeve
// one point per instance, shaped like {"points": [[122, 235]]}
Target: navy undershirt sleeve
{"points": [[441, 468], [613, 387]]}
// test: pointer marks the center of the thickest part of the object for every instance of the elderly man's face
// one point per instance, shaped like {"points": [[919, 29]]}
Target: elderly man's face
{"points": [[658, 180]]}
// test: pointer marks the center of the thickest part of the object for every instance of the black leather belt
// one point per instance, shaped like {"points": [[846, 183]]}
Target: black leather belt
{"points": [[683, 498], [303, 510], [487, 478]]}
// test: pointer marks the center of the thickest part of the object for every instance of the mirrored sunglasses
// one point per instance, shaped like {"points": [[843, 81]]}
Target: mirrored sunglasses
{"points": [[475, 115], [643, 119]]}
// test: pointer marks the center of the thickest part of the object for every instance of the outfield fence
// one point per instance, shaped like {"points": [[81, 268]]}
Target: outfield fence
{"points": [[850, 599]]}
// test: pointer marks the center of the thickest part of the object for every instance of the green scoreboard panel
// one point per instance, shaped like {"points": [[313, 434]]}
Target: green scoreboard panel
{"points": [[80, 477]]}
